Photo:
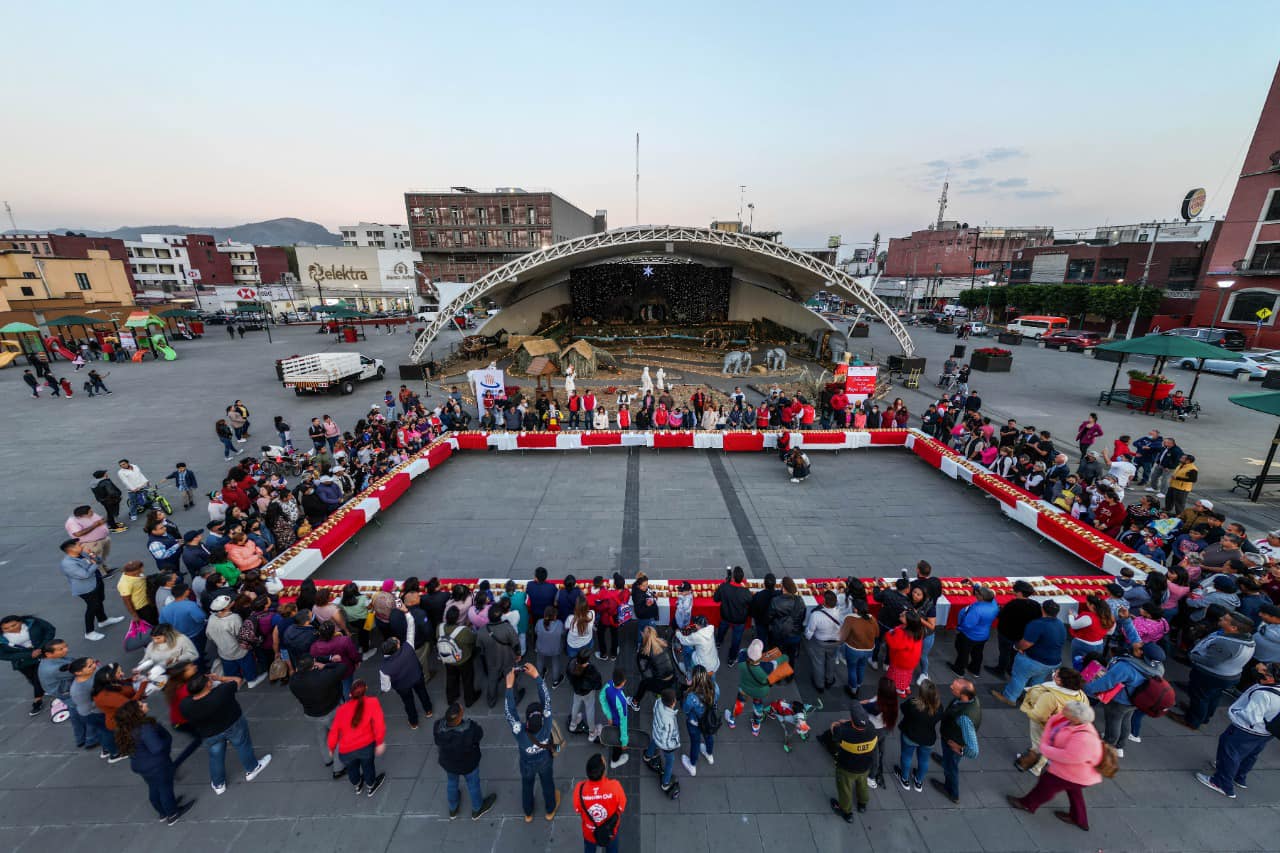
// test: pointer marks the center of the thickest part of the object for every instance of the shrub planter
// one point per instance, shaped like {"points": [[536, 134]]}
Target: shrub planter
{"points": [[991, 363], [860, 331], [1012, 339], [944, 329], [1142, 390]]}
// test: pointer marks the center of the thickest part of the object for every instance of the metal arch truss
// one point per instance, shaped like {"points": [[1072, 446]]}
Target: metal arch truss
{"points": [[648, 234]]}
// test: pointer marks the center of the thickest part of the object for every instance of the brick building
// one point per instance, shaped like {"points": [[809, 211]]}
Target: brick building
{"points": [[948, 251], [273, 264], [1247, 249], [49, 245], [462, 234]]}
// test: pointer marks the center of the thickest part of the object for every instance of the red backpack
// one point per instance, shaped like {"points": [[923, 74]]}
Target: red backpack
{"points": [[1155, 697]]}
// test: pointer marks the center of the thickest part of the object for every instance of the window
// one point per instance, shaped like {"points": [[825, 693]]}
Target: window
{"points": [[49, 251], [1020, 271], [1266, 256], [431, 215], [1244, 306], [482, 215], [82, 281], [1183, 269], [533, 239], [1080, 270], [1272, 214], [456, 213], [431, 239], [483, 238], [26, 291], [533, 215], [1113, 269], [506, 215], [508, 238], [457, 238], [28, 275]]}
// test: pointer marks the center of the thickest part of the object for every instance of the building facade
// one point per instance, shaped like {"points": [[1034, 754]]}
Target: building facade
{"points": [[375, 235], [49, 245], [1166, 256], [31, 285], [1247, 249], [366, 278], [957, 250], [463, 233], [160, 266]]}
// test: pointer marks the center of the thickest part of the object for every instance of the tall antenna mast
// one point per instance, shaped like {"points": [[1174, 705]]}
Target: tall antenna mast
{"points": [[942, 203], [742, 192], [9, 210], [637, 178]]}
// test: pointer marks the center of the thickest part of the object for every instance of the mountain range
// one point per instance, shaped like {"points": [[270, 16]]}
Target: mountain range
{"points": [[273, 232]]}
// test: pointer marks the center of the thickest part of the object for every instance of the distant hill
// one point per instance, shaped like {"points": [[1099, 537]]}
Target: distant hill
{"points": [[273, 232]]}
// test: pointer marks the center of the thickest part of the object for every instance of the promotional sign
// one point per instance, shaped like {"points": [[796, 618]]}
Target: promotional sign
{"points": [[860, 382], [1193, 203], [488, 379]]}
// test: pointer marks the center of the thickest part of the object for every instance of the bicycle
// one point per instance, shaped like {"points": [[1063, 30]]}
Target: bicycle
{"points": [[150, 498]]}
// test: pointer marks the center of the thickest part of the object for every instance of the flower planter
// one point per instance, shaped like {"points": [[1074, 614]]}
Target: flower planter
{"points": [[1142, 390], [1012, 339], [991, 363]]}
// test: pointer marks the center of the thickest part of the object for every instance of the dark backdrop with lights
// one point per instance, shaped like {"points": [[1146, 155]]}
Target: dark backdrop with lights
{"points": [[650, 293]]}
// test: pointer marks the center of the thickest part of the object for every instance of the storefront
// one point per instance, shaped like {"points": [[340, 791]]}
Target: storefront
{"points": [[365, 278]]}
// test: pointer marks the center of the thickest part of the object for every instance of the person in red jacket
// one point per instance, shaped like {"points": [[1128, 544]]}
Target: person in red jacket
{"points": [[601, 802], [807, 415], [762, 417], [359, 733], [588, 406], [235, 496], [660, 417], [575, 408]]}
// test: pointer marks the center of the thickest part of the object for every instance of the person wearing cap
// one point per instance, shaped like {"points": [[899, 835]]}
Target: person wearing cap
{"points": [[223, 629], [1199, 511], [853, 743], [1247, 735], [1073, 748], [533, 742], [1216, 664], [1091, 467], [753, 684], [1130, 672]]}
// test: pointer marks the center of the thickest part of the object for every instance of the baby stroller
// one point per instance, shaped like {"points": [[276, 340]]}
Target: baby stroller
{"points": [[792, 716]]}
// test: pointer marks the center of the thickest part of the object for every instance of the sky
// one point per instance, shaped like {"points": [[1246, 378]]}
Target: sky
{"points": [[838, 117]]}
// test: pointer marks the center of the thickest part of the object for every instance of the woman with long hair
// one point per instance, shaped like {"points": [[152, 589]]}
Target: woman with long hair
{"points": [[580, 629], [699, 710], [175, 690], [883, 711], [1090, 628], [355, 612], [918, 732], [787, 614], [359, 734], [111, 690], [147, 744], [655, 664], [858, 634], [905, 643]]}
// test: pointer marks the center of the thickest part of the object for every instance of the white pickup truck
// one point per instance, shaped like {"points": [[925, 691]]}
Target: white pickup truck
{"points": [[335, 372]]}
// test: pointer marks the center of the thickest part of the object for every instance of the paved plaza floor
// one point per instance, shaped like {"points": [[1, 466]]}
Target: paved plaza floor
{"points": [[756, 799]]}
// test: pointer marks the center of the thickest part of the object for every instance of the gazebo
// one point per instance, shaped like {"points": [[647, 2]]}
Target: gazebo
{"points": [[1268, 402], [1165, 347]]}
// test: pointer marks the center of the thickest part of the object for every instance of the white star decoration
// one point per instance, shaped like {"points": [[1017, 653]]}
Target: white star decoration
{"points": [[648, 271]]}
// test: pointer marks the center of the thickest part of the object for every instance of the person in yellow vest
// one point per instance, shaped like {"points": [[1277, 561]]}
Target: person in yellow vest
{"points": [[1180, 484]]}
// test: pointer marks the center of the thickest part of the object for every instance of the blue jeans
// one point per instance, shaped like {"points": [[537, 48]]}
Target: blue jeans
{"points": [[1026, 670], [245, 667], [238, 736], [668, 761], [912, 751], [473, 788], [951, 769], [80, 727], [735, 643], [1135, 725], [1237, 751], [228, 448], [696, 739], [359, 764], [137, 500], [160, 791], [855, 661], [1203, 695], [590, 846], [641, 624], [532, 772], [925, 648], [96, 729], [1080, 648]]}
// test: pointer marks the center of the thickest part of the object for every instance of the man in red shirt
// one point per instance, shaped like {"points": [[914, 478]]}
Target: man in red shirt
{"points": [[599, 799]]}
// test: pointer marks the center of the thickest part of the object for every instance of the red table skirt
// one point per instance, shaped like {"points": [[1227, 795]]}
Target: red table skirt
{"points": [[929, 451], [601, 439], [825, 437], [439, 453], [743, 441], [337, 536], [472, 441], [1077, 538], [536, 439], [393, 490], [673, 439], [889, 436]]}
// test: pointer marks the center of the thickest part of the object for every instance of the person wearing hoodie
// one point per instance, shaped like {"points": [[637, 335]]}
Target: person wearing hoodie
{"points": [[458, 751], [1216, 664], [533, 744], [402, 672], [617, 709], [664, 737], [1247, 735], [499, 646], [1266, 639], [698, 640], [759, 609], [973, 629], [1130, 672], [786, 619], [735, 608], [753, 684], [1218, 589], [1040, 703], [1073, 748]]}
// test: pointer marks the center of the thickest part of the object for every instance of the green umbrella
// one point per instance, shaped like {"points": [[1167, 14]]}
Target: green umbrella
{"points": [[1267, 402], [344, 312], [77, 320], [1165, 347], [17, 328], [185, 313]]}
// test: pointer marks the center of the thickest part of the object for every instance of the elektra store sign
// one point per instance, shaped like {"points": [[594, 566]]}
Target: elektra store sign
{"points": [[334, 272]]}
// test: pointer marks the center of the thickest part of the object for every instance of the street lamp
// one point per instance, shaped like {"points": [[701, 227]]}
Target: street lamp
{"points": [[1223, 287]]}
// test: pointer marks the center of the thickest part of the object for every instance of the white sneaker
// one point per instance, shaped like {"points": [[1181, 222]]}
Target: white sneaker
{"points": [[622, 759], [262, 765], [711, 759], [1159, 494], [1149, 489], [241, 440], [1119, 753], [1135, 738], [95, 636], [370, 653], [218, 789], [113, 620], [261, 678], [795, 479], [688, 765]]}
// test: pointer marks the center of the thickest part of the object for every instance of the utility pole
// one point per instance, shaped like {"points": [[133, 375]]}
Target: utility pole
{"points": [[751, 208], [1146, 273], [637, 177], [742, 192], [9, 210], [942, 204], [973, 259]]}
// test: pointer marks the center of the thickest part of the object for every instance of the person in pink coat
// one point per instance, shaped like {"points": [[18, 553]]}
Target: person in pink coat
{"points": [[1073, 748]]}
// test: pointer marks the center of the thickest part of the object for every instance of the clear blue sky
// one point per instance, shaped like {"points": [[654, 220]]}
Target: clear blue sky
{"points": [[839, 117]]}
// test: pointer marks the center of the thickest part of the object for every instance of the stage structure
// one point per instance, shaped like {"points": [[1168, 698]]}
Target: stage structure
{"points": [[604, 285]]}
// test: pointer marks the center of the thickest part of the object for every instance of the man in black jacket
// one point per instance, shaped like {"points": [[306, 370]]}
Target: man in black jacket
{"points": [[458, 743], [299, 636], [735, 608], [760, 608], [108, 494], [853, 743], [318, 688], [1014, 617]]}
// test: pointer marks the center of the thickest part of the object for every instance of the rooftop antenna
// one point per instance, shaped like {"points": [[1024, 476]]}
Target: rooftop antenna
{"points": [[637, 177], [942, 201], [9, 210], [742, 192]]}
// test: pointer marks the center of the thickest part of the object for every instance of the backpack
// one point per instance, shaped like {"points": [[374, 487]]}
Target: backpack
{"points": [[447, 648], [248, 635], [709, 721], [1155, 697]]}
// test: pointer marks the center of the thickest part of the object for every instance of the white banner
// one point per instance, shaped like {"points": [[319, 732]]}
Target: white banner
{"points": [[487, 379]]}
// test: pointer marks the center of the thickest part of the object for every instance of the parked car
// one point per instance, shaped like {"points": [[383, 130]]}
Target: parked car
{"points": [[1072, 339], [1253, 364], [977, 329], [1225, 338]]}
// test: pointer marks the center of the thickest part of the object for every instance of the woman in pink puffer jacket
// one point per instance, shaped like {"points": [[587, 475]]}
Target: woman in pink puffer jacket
{"points": [[1073, 748]]}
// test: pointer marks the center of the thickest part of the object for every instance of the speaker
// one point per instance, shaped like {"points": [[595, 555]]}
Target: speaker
{"points": [[412, 371]]}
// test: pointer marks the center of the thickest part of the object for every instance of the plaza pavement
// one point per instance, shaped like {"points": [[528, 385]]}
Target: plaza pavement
{"points": [[756, 798]]}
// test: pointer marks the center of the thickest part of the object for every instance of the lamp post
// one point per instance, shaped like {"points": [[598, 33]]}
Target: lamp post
{"points": [[1223, 287]]}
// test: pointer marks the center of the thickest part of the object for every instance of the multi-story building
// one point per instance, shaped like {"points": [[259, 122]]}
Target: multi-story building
{"points": [[49, 245], [1246, 252], [1166, 256], [463, 233], [35, 288], [375, 235], [956, 250], [160, 266]]}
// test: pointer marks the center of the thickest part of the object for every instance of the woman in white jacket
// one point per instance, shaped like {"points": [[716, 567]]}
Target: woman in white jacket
{"points": [[700, 636], [600, 420], [167, 648]]}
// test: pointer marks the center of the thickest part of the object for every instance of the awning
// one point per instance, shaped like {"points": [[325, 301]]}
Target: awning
{"points": [[142, 319], [77, 320], [17, 328], [1170, 346]]}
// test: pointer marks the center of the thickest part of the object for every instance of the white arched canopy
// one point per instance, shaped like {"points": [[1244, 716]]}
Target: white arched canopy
{"points": [[803, 274]]}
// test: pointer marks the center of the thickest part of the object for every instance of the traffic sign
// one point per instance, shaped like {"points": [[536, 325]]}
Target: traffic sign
{"points": [[1263, 313]]}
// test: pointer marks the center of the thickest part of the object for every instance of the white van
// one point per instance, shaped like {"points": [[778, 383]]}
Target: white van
{"points": [[427, 313], [1037, 325], [954, 311]]}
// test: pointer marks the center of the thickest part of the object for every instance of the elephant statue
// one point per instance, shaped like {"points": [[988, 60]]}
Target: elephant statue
{"points": [[776, 358], [737, 361]]}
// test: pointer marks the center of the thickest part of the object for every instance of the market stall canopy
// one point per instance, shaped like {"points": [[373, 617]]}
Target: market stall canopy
{"points": [[141, 319], [17, 328], [1170, 346], [1267, 402], [339, 311], [77, 320], [186, 313]]}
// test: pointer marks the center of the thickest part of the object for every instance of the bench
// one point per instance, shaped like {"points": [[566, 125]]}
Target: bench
{"points": [[1119, 396], [1244, 481], [1192, 409]]}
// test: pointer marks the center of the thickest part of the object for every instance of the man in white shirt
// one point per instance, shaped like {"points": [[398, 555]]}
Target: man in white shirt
{"points": [[134, 482], [1122, 471], [1269, 546], [822, 631]]}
